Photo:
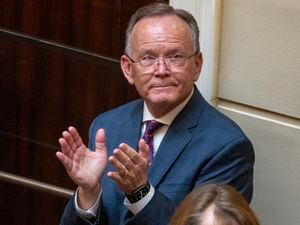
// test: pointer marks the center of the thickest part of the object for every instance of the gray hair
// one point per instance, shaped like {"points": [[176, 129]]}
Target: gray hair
{"points": [[161, 9]]}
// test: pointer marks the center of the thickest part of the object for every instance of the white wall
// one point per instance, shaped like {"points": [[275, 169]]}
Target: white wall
{"points": [[261, 50], [251, 73]]}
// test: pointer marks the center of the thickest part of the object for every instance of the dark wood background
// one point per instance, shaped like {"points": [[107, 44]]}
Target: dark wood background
{"points": [[58, 67]]}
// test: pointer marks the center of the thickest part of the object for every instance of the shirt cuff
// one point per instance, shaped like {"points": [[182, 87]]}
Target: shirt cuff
{"points": [[135, 208], [91, 212]]}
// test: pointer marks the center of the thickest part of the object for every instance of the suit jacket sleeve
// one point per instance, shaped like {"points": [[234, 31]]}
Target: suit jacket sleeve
{"points": [[70, 215], [158, 211], [233, 165]]}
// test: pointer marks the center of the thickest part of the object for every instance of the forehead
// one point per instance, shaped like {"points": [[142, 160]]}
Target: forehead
{"points": [[161, 31]]}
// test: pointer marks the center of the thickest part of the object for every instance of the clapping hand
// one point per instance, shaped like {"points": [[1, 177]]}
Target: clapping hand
{"points": [[131, 166], [84, 167]]}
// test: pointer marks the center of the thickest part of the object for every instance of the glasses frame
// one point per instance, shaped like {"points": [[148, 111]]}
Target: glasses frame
{"points": [[157, 60]]}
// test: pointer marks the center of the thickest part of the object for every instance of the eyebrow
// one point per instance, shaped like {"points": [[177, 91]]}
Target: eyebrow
{"points": [[152, 51]]}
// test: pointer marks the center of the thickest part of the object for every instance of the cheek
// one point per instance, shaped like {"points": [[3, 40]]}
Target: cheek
{"points": [[144, 79], [141, 84], [185, 81]]}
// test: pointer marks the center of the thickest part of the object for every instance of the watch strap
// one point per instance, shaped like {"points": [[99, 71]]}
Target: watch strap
{"points": [[139, 193]]}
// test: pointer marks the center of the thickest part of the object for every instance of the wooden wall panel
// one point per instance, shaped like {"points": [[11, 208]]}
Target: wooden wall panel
{"points": [[28, 207], [33, 160], [54, 90], [73, 22]]}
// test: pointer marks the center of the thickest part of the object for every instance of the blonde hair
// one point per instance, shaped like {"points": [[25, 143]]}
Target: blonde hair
{"points": [[229, 207]]}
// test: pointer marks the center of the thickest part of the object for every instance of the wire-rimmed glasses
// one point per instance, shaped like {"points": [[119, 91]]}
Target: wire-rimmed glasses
{"points": [[174, 60]]}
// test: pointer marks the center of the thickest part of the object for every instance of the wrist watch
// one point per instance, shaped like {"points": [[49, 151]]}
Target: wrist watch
{"points": [[139, 193]]}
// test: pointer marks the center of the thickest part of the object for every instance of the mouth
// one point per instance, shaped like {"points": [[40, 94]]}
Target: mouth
{"points": [[162, 89], [162, 85]]}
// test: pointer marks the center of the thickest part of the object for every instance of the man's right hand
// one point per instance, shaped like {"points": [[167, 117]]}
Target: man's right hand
{"points": [[84, 167]]}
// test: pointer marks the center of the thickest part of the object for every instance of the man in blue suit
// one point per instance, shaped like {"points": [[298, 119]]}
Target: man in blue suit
{"points": [[130, 175]]}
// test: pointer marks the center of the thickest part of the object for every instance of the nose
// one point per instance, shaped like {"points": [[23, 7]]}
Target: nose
{"points": [[161, 67]]}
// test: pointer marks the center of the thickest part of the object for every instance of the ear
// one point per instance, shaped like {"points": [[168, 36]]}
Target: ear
{"points": [[127, 69], [198, 65]]}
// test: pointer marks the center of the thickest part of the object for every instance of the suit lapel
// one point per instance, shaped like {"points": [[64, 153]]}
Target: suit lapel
{"points": [[177, 137], [171, 146], [130, 129]]}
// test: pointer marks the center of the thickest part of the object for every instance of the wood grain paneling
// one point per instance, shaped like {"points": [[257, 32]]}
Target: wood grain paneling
{"points": [[54, 90], [28, 207], [72, 22], [32, 159]]}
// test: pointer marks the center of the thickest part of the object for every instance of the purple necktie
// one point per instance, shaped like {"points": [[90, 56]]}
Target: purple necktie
{"points": [[151, 127]]}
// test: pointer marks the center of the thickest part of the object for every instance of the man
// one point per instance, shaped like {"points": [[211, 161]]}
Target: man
{"points": [[133, 176]]}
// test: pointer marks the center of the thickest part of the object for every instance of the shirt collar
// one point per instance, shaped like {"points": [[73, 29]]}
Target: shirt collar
{"points": [[170, 116]]}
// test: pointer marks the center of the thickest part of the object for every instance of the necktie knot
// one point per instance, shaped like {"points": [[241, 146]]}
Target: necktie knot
{"points": [[152, 126]]}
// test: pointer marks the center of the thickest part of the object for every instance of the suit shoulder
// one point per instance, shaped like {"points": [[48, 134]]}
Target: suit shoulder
{"points": [[221, 123], [118, 114]]}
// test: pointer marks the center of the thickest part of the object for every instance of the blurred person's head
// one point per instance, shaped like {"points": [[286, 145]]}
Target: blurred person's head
{"points": [[214, 204]]}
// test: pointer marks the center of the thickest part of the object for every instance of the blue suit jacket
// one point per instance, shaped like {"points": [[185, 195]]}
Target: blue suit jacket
{"points": [[201, 145]]}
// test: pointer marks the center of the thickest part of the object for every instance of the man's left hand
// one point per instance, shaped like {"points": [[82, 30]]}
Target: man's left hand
{"points": [[131, 166]]}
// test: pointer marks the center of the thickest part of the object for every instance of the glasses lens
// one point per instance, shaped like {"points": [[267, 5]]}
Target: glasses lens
{"points": [[150, 63]]}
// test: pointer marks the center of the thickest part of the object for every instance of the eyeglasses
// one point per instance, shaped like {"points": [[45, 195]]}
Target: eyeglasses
{"points": [[171, 60]]}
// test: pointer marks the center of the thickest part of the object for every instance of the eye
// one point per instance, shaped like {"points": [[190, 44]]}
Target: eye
{"points": [[148, 58], [176, 57]]}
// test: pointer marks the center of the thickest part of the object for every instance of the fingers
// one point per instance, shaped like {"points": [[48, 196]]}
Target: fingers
{"points": [[124, 184], [65, 148], [124, 177], [131, 167], [71, 144], [126, 157], [65, 161], [117, 160], [76, 139], [100, 140], [129, 155], [144, 150], [72, 139]]}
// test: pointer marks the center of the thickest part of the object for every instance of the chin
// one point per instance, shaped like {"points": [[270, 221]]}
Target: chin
{"points": [[162, 99]]}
